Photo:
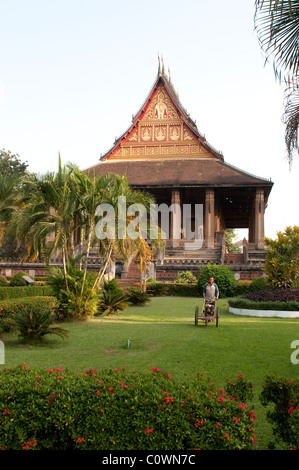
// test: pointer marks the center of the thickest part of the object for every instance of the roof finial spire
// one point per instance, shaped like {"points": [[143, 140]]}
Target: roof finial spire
{"points": [[163, 71], [159, 64]]}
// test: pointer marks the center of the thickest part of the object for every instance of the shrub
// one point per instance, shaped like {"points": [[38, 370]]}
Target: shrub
{"points": [[112, 286], [259, 283], [36, 321], [182, 290], [7, 325], [240, 388], [223, 277], [9, 307], [111, 302], [3, 282], [157, 289], [284, 417], [282, 258], [279, 295], [24, 291], [126, 411], [72, 301], [185, 277], [242, 287], [17, 280], [238, 302], [135, 297]]}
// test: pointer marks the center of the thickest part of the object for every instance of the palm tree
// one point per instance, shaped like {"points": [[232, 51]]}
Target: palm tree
{"points": [[119, 244], [52, 207], [8, 184], [48, 211], [277, 25]]}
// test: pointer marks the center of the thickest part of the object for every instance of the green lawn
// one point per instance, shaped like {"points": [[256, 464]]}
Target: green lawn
{"points": [[163, 334]]}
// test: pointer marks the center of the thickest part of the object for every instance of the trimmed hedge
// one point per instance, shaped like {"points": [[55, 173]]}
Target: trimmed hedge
{"points": [[158, 289], [118, 410], [24, 291], [238, 302], [183, 290], [10, 306]]}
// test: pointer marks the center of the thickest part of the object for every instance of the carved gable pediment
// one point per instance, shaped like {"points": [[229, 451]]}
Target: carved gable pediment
{"points": [[161, 129]]}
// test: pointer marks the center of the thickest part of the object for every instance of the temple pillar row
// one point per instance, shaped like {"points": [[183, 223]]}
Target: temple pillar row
{"points": [[176, 221], [209, 226], [259, 218]]}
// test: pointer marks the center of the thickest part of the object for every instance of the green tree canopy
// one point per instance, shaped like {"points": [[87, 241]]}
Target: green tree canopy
{"points": [[282, 258], [11, 164]]}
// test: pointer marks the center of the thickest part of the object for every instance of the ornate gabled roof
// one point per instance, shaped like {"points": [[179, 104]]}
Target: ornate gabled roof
{"points": [[161, 128], [203, 172], [163, 148]]}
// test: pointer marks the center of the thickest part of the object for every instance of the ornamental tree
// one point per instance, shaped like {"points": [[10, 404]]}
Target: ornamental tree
{"points": [[282, 258]]}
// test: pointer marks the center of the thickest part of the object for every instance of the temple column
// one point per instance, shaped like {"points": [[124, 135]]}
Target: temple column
{"points": [[175, 217], [259, 218], [209, 218]]}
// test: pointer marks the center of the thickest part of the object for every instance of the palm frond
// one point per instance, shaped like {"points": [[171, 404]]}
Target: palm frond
{"points": [[277, 26], [291, 121]]}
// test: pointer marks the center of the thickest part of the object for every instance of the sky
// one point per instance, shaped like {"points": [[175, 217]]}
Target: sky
{"points": [[73, 73]]}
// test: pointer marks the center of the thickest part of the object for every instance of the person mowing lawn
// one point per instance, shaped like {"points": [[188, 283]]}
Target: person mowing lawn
{"points": [[210, 295]]}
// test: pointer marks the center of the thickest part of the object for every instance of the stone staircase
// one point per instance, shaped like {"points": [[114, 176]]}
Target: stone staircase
{"points": [[180, 259], [187, 257], [131, 276]]}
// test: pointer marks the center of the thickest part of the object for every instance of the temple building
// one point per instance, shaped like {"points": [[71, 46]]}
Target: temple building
{"points": [[164, 153]]}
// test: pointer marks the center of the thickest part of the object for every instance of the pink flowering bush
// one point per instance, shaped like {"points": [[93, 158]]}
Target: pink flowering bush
{"points": [[119, 410], [9, 307], [32, 317]]}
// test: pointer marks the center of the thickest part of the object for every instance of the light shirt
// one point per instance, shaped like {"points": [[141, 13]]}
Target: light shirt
{"points": [[211, 293]]}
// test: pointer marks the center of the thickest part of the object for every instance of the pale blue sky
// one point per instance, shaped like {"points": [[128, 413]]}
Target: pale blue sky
{"points": [[74, 72]]}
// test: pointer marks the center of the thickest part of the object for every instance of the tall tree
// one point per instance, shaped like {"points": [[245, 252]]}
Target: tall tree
{"points": [[47, 211], [11, 164], [54, 206], [282, 258], [277, 25]]}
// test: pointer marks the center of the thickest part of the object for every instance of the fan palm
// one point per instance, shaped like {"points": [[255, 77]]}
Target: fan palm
{"points": [[110, 302], [277, 24]]}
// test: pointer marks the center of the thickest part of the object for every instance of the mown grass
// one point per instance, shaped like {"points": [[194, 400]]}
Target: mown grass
{"points": [[163, 334]]}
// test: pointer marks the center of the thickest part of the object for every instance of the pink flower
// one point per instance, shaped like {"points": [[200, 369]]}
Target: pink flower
{"points": [[198, 422], [220, 399], [168, 400], [147, 431], [80, 440], [29, 444], [242, 406], [292, 409], [110, 389]]}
